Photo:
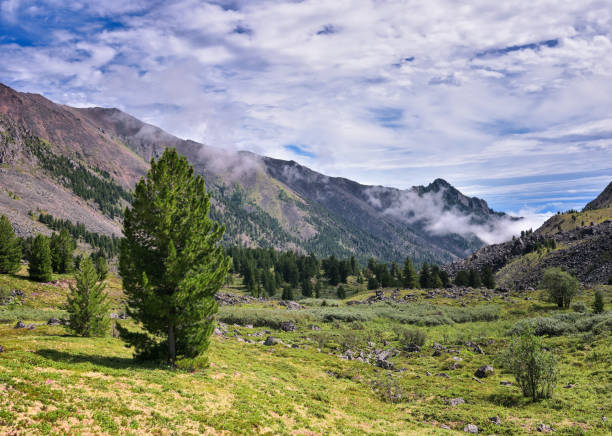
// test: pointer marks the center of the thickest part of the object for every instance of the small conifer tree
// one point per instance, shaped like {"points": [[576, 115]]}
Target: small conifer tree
{"points": [[40, 259], [409, 275], [598, 302], [62, 246], [10, 248], [102, 267], [88, 303], [341, 293]]}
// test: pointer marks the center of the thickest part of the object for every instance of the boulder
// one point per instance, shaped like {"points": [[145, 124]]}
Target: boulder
{"points": [[384, 364], [484, 371], [53, 321], [1, 349], [495, 420], [412, 348], [271, 341], [20, 325], [456, 401], [288, 326], [471, 428], [544, 428]]}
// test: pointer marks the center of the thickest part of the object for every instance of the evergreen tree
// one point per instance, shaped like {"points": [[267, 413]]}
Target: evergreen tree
{"points": [[10, 248], [354, 267], [306, 288], [102, 267], [171, 262], [88, 304], [409, 275], [474, 279], [488, 279], [287, 293], [462, 278], [425, 277], [598, 302], [40, 259], [445, 279], [436, 281], [317, 289], [340, 292], [372, 283], [62, 246]]}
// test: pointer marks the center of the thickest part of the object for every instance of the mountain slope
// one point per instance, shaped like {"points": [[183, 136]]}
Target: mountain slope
{"points": [[602, 201], [262, 201]]}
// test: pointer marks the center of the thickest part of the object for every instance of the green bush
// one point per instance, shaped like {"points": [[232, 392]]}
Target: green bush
{"points": [[409, 336], [265, 317], [598, 301], [534, 368], [564, 323], [579, 307], [560, 285]]}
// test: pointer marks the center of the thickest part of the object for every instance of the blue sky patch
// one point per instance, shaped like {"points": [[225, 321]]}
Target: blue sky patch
{"points": [[300, 150]]}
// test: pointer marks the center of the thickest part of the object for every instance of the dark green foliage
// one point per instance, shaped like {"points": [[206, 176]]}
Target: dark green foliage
{"points": [[83, 181], [579, 307], [561, 286], [10, 248], [317, 289], [40, 259], [101, 267], [408, 336], [534, 368], [307, 288], [474, 279], [488, 278], [436, 280], [598, 301], [62, 246], [462, 278], [340, 292], [88, 305], [425, 277], [445, 279], [372, 283], [110, 245], [171, 262], [610, 280], [287, 293], [409, 275]]}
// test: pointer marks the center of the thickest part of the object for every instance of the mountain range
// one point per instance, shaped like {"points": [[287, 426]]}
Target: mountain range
{"points": [[81, 163]]}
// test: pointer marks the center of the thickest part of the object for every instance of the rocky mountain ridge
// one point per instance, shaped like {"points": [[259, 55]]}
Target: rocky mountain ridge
{"points": [[263, 201]]}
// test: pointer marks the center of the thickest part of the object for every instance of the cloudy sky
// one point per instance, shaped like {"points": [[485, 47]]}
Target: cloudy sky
{"points": [[509, 101]]}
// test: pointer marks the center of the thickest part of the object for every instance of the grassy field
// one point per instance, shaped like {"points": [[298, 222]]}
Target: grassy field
{"points": [[55, 383]]}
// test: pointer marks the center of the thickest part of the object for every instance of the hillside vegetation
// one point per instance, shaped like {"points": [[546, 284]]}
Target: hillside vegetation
{"points": [[337, 368], [568, 221]]}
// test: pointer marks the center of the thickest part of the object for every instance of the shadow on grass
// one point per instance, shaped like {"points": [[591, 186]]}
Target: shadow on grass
{"points": [[507, 399], [95, 359]]}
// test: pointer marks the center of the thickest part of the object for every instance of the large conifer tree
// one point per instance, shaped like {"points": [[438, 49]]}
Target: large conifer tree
{"points": [[409, 275], [10, 249], [62, 246], [171, 262]]}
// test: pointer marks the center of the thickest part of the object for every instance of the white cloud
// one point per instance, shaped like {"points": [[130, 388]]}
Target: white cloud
{"points": [[262, 75]]}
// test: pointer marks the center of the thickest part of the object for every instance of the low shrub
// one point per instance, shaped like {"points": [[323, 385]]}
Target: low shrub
{"points": [[389, 389], [23, 313], [264, 317], [579, 307], [565, 323], [410, 336]]}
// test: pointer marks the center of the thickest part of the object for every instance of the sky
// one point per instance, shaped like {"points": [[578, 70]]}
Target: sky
{"points": [[507, 101]]}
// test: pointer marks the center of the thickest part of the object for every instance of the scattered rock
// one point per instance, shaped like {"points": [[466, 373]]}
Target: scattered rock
{"points": [[271, 341], [505, 383], [53, 321], [315, 328], [1, 349], [17, 293], [445, 427], [455, 401], [384, 364], [443, 375], [437, 353], [471, 428], [217, 331], [495, 420], [454, 366], [569, 385], [290, 305], [288, 326], [412, 348], [349, 355], [544, 428], [476, 380], [484, 371], [20, 325], [295, 346]]}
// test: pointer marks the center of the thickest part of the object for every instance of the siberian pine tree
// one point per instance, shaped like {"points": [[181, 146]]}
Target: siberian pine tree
{"points": [[40, 259], [101, 267], [425, 277], [488, 279], [88, 303], [10, 248], [409, 275], [171, 262], [62, 246]]}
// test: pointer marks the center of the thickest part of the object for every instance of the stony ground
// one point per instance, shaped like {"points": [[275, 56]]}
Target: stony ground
{"points": [[319, 367]]}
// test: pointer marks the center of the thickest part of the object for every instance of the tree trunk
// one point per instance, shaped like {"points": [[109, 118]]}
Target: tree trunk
{"points": [[171, 344]]}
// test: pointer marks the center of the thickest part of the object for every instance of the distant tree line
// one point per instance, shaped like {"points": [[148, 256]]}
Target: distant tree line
{"points": [[109, 245], [88, 184]]}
